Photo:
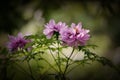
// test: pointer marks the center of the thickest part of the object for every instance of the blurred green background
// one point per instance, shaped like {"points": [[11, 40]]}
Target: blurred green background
{"points": [[102, 17]]}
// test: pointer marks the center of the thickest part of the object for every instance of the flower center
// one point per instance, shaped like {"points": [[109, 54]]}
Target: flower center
{"points": [[76, 30]]}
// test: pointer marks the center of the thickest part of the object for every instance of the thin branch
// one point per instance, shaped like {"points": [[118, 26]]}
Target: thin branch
{"points": [[67, 63], [29, 66]]}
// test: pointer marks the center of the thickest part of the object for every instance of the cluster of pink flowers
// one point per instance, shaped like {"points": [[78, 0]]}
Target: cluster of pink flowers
{"points": [[74, 35], [17, 42]]}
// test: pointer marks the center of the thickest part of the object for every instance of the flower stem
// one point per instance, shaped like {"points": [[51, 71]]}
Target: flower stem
{"points": [[59, 62], [67, 63], [22, 69], [30, 70], [49, 63], [60, 73], [29, 66]]}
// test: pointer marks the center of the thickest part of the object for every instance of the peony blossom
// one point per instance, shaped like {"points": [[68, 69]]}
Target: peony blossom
{"points": [[16, 42], [52, 27], [74, 35]]}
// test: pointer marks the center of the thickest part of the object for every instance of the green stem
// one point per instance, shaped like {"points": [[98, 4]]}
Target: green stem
{"points": [[52, 55], [67, 63], [29, 66], [59, 62], [60, 74], [48, 63], [80, 62], [22, 69], [60, 52]]}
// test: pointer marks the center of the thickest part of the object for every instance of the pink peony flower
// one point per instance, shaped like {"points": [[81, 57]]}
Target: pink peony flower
{"points": [[52, 27], [75, 35], [16, 42]]}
